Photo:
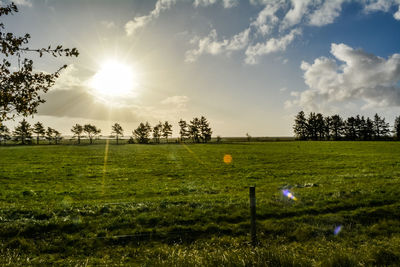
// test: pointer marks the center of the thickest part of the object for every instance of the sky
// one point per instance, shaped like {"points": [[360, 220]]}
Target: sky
{"points": [[248, 66]]}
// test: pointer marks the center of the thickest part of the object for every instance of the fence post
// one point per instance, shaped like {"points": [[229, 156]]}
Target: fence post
{"points": [[253, 215]]}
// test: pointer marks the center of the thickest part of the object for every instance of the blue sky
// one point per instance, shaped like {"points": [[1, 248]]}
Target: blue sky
{"points": [[248, 66]]}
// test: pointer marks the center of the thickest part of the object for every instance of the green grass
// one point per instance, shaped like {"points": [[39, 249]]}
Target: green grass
{"points": [[182, 205]]}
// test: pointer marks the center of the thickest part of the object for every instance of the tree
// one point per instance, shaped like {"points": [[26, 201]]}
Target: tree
{"points": [[300, 126], [184, 131], [320, 126], [381, 128], [350, 128], [166, 130], [4, 133], [142, 133], [368, 129], [397, 128], [23, 132], [327, 127], [194, 130], [336, 127], [312, 126], [248, 137], [57, 136], [117, 130], [205, 130], [77, 130], [359, 126], [49, 134], [39, 130], [22, 86], [157, 132], [91, 131]]}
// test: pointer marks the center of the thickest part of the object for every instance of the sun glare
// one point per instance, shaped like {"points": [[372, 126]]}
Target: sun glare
{"points": [[114, 80]]}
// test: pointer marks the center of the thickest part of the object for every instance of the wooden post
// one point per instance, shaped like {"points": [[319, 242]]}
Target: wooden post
{"points": [[253, 215]]}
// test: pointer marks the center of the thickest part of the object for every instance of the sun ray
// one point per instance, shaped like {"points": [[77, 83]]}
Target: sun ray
{"points": [[104, 167]]}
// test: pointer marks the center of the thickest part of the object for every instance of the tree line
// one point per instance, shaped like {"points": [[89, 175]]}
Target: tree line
{"points": [[197, 130], [318, 127], [23, 133]]}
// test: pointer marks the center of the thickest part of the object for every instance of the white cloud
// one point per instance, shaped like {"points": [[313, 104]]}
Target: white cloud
{"points": [[266, 18], [198, 3], [179, 101], [382, 5], [230, 3], [68, 79], [139, 22], [225, 3], [397, 14], [296, 13], [259, 2], [23, 3], [211, 45], [272, 30], [378, 5], [270, 46], [206, 45], [360, 76], [239, 41], [327, 13]]}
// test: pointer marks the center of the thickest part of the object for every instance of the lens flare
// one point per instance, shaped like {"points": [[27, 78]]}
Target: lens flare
{"points": [[228, 159], [288, 194], [337, 230]]}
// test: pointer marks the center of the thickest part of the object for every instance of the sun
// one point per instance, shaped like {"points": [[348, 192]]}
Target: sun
{"points": [[114, 79]]}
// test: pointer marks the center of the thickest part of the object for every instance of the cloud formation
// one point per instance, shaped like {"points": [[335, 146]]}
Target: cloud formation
{"points": [[162, 5], [326, 13], [296, 13], [272, 45], [279, 23], [274, 28], [382, 5], [69, 78], [225, 3], [211, 45], [397, 14], [27, 3], [138, 22], [352, 75], [270, 31]]}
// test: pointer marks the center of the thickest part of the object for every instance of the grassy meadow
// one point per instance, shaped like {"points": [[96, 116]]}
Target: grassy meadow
{"points": [[180, 205]]}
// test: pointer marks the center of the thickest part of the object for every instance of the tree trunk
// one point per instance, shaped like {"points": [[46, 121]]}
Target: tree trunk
{"points": [[117, 139], [79, 139], [37, 139]]}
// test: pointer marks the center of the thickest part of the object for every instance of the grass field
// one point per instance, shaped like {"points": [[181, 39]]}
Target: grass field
{"points": [[180, 205]]}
